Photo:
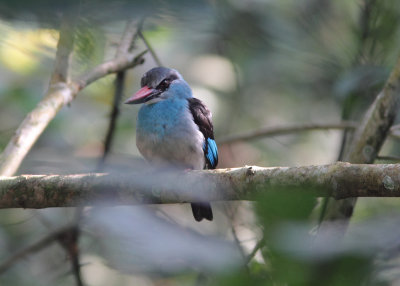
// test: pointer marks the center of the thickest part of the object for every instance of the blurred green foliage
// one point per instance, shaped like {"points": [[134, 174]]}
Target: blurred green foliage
{"points": [[294, 261]]}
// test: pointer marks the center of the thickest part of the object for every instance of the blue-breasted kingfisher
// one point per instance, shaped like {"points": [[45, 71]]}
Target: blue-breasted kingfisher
{"points": [[174, 128]]}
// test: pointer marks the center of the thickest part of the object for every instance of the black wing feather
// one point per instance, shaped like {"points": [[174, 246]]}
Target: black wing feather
{"points": [[202, 117]]}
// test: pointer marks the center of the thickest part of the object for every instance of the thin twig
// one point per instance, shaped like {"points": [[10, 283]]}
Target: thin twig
{"points": [[109, 67], [280, 130], [118, 95], [150, 48], [395, 127], [395, 135], [388, 158], [69, 243], [231, 216], [43, 243], [124, 47], [260, 244]]}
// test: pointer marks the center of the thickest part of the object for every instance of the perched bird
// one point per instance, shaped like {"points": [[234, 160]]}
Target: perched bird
{"points": [[174, 128]]}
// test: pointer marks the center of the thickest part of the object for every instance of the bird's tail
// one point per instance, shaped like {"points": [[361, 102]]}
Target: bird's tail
{"points": [[202, 210]]}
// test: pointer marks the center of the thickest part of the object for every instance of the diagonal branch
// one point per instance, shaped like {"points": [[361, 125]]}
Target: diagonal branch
{"points": [[58, 95], [36, 121], [109, 67], [368, 139], [150, 49], [260, 244], [339, 180], [376, 124], [147, 44]]}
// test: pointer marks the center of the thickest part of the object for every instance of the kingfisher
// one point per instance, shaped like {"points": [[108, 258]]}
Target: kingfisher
{"points": [[174, 128]]}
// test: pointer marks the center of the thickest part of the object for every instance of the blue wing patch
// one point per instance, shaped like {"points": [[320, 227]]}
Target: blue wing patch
{"points": [[211, 152]]}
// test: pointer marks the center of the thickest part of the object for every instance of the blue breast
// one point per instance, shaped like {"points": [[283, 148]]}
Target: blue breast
{"points": [[161, 117]]}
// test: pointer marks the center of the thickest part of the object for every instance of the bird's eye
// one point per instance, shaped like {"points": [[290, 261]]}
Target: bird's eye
{"points": [[164, 84]]}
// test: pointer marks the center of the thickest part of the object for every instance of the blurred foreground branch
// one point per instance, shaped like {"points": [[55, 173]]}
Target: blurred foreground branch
{"points": [[339, 180]]}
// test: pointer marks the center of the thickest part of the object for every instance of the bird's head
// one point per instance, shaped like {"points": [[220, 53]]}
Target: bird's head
{"points": [[154, 86]]}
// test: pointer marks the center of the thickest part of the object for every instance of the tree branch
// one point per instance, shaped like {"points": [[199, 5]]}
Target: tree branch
{"points": [[59, 94], [147, 43], [109, 67], [123, 48], [281, 130], [36, 121], [65, 47], [260, 244], [115, 110], [376, 124], [339, 180], [388, 158], [150, 49], [368, 140]]}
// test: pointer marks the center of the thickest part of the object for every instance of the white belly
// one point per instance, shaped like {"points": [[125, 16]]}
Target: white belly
{"points": [[181, 146]]}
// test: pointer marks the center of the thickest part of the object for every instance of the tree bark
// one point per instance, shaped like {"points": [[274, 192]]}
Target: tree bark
{"points": [[339, 180]]}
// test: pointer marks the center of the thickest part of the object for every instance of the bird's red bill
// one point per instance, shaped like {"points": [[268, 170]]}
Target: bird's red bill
{"points": [[140, 95]]}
